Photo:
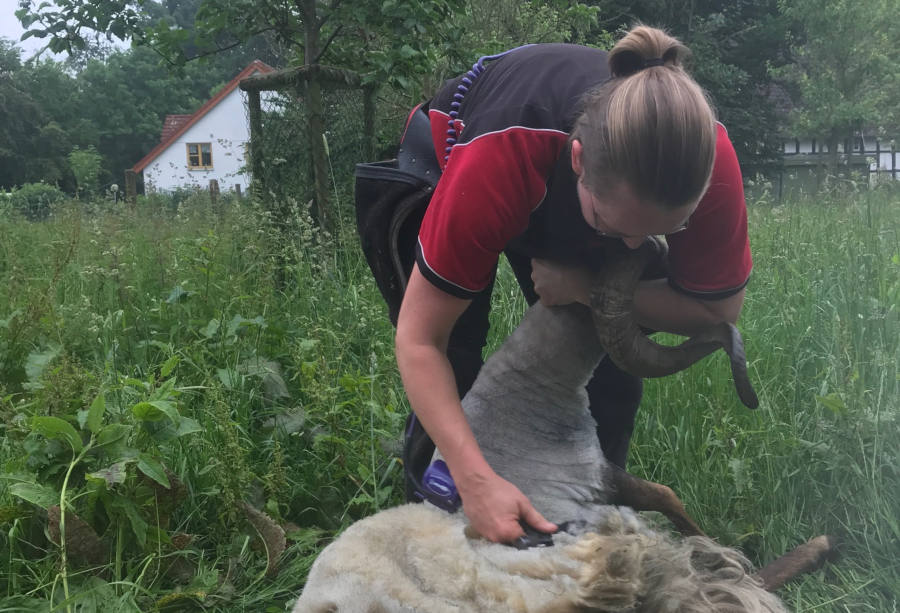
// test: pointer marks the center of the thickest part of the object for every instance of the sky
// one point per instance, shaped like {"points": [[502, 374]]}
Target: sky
{"points": [[11, 28]]}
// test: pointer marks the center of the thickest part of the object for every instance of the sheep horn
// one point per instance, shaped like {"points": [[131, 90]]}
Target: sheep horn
{"points": [[612, 297]]}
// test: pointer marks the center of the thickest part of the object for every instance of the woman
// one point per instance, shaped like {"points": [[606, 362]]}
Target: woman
{"points": [[545, 154]]}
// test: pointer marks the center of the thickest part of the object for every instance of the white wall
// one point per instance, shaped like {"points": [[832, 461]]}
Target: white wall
{"points": [[880, 158], [226, 128]]}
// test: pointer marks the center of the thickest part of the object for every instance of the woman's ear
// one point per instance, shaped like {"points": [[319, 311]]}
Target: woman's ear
{"points": [[577, 168]]}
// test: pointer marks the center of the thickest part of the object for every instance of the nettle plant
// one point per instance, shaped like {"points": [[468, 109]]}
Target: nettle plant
{"points": [[99, 473]]}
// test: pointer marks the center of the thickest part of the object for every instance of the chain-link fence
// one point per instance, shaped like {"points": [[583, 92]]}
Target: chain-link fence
{"points": [[286, 131]]}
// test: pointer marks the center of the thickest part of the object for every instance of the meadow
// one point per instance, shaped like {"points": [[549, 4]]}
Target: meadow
{"points": [[188, 386]]}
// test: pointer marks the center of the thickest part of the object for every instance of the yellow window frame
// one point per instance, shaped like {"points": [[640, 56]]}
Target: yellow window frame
{"points": [[199, 156]]}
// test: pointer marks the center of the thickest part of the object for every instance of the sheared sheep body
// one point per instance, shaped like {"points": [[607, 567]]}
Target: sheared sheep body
{"points": [[529, 412], [417, 559]]}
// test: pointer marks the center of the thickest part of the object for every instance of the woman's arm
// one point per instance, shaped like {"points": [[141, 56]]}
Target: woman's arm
{"points": [[657, 305], [426, 319]]}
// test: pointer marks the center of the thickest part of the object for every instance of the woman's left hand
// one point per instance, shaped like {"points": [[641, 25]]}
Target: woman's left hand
{"points": [[557, 284]]}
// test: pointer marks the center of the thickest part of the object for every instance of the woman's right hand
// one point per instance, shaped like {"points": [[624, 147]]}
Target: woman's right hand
{"points": [[494, 507]]}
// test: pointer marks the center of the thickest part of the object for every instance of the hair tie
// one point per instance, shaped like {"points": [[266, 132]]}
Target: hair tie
{"points": [[655, 61]]}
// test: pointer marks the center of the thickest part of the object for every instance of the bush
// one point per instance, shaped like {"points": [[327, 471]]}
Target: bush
{"points": [[34, 201]]}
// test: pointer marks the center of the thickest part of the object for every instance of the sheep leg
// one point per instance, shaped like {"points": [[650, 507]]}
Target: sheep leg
{"points": [[643, 495], [806, 558]]}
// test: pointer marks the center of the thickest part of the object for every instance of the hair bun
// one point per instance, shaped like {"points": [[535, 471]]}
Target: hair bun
{"points": [[645, 47]]}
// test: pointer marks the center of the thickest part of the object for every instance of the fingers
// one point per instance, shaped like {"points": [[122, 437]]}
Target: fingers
{"points": [[557, 284], [536, 520], [495, 514]]}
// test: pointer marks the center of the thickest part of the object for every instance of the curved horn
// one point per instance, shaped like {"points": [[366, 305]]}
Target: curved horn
{"points": [[612, 306]]}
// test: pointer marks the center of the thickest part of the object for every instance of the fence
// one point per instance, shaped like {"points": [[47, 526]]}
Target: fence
{"points": [[806, 168], [288, 162]]}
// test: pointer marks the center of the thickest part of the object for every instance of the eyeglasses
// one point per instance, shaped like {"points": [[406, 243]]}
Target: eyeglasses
{"points": [[620, 235], [599, 223]]}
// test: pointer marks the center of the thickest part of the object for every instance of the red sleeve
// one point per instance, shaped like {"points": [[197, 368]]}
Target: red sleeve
{"points": [[484, 198], [711, 259]]}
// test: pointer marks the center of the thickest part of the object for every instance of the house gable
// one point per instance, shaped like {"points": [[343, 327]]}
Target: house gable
{"points": [[178, 127]]}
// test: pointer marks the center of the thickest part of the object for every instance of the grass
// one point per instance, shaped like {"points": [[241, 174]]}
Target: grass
{"points": [[287, 398]]}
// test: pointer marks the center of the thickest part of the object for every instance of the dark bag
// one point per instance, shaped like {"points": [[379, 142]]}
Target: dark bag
{"points": [[391, 199]]}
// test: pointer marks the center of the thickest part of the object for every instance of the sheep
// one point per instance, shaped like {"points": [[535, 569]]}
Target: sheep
{"points": [[529, 412], [416, 558]]}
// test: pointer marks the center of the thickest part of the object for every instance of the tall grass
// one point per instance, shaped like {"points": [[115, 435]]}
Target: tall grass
{"points": [[277, 345]]}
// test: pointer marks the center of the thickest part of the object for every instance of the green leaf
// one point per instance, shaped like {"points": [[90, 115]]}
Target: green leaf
{"points": [[43, 496], [54, 427], [138, 525], [4, 323], [178, 294], [168, 366], [151, 467], [187, 426], [229, 377], [111, 475], [155, 410], [112, 433], [833, 402], [37, 363], [407, 52], [211, 328], [95, 414]]}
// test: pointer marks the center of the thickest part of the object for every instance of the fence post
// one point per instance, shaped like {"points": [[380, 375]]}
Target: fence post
{"points": [[131, 187], [237, 190], [213, 192], [877, 159], [893, 161]]}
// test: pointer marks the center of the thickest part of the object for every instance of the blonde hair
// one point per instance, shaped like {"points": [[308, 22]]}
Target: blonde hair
{"points": [[651, 125]]}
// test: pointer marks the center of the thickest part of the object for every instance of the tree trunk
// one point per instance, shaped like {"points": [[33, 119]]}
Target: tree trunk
{"points": [[315, 114], [316, 124], [257, 183]]}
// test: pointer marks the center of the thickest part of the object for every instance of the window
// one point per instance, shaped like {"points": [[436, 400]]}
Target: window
{"points": [[199, 156]]}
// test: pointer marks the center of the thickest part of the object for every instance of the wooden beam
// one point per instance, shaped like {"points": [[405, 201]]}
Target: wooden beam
{"points": [[256, 166], [281, 79], [131, 187]]}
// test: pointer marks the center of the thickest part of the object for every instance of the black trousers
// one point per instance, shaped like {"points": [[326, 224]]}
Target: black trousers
{"points": [[614, 395]]}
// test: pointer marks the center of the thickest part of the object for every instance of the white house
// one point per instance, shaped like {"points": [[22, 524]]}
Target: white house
{"points": [[882, 158], [210, 144]]}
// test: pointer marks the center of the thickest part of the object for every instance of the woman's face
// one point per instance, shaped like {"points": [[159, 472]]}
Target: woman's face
{"points": [[619, 214]]}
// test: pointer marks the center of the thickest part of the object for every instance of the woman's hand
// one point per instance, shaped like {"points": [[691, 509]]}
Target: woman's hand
{"points": [[494, 506], [557, 284]]}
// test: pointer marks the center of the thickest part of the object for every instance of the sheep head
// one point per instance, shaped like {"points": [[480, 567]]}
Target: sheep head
{"points": [[612, 308]]}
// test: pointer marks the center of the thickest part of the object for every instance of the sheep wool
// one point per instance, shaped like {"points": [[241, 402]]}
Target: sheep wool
{"points": [[417, 559], [529, 411]]}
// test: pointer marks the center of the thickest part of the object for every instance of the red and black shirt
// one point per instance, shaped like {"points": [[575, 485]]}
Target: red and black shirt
{"points": [[508, 183]]}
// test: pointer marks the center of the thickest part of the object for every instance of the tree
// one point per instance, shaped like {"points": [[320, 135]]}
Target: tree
{"points": [[386, 43], [733, 44], [845, 67], [33, 139], [85, 164]]}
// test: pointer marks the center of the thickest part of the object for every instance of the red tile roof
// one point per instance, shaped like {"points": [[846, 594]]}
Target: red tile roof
{"points": [[171, 125], [183, 126]]}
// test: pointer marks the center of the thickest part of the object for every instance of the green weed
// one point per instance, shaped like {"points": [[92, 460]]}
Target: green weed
{"points": [[162, 367]]}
